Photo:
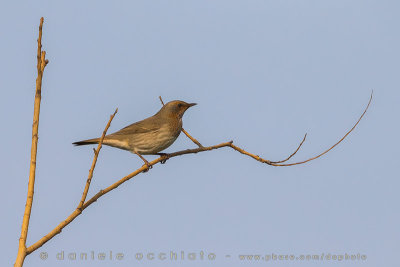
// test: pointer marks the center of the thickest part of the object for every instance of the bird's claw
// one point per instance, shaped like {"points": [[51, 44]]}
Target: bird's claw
{"points": [[148, 167], [164, 157]]}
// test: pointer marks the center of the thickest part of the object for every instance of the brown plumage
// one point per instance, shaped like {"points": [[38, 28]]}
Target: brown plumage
{"points": [[151, 135]]}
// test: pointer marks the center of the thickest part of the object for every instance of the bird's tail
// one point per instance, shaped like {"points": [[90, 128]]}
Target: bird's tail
{"points": [[87, 142]]}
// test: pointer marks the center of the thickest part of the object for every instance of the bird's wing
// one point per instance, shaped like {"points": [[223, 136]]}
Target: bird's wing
{"points": [[144, 126]]}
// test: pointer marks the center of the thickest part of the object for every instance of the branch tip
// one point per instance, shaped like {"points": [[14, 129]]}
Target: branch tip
{"points": [[96, 154], [338, 142], [162, 102]]}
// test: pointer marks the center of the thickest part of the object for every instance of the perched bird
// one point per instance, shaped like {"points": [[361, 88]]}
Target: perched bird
{"points": [[151, 135]]}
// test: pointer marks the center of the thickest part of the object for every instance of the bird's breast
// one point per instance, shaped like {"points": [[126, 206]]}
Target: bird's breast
{"points": [[157, 140]]}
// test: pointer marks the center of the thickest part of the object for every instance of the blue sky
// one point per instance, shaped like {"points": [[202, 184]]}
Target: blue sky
{"points": [[262, 72]]}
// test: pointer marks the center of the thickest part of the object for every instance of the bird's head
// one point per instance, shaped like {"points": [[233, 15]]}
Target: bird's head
{"points": [[176, 108]]}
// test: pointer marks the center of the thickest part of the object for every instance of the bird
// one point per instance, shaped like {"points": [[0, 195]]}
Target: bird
{"points": [[149, 136]]}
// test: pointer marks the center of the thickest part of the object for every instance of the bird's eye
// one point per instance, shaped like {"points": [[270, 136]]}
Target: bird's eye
{"points": [[179, 105]]}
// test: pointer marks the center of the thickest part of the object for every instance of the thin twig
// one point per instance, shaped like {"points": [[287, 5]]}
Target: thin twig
{"points": [[192, 138], [41, 64], [162, 102], [185, 132], [338, 142], [96, 154], [281, 161], [310, 159]]}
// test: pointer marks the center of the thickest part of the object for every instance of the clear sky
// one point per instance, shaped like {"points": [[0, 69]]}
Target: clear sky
{"points": [[263, 73]]}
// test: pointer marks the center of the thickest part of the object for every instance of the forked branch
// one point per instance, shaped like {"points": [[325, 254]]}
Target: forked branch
{"points": [[23, 251], [329, 149], [145, 167]]}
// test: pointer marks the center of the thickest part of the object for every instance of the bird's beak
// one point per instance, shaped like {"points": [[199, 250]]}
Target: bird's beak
{"points": [[191, 104]]}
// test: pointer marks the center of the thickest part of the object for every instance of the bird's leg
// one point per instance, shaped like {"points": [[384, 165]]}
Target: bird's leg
{"points": [[165, 157], [145, 161]]}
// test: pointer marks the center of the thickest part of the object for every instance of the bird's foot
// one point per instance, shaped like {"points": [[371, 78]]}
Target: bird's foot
{"points": [[164, 157], [148, 165]]}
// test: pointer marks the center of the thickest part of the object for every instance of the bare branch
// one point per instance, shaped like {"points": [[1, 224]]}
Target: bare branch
{"points": [[41, 64], [96, 154], [145, 167], [338, 142]]}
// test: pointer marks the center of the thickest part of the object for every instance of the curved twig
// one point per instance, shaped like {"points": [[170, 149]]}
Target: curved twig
{"points": [[338, 142], [304, 139]]}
